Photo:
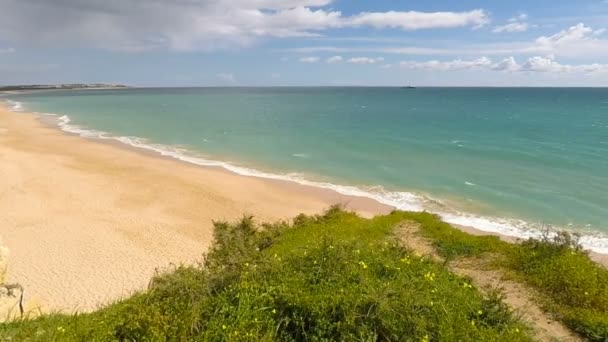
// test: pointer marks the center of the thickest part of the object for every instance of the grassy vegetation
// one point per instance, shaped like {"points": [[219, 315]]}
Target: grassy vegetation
{"points": [[322, 278], [571, 286]]}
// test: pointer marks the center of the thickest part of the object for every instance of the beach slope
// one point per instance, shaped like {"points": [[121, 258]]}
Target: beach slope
{"points": [[87, 223]]}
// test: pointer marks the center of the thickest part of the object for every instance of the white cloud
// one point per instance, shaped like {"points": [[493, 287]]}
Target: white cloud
{"points": [[410, 50], [574, 34], [599, 32], [522, 17], [543, 64], [273, 4], [334, 59], [546, 64], [309, 59], [512, 27], [448, 66], [507, 64], [226, 77], [413, 20], [515, 24], [139, 25], [365, 60], [7, 50], [577, 41]]}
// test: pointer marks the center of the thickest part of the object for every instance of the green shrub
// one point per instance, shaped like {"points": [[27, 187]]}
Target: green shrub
{"points": [[330, 277]]}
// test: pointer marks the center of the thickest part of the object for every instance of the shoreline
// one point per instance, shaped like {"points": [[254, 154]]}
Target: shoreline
{"points": [[122, 175], [88, 223], [594, 241], [406, 200]]}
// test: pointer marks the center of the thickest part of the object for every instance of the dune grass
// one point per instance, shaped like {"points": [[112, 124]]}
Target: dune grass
{"points": [[571, 287], [322, 278]]}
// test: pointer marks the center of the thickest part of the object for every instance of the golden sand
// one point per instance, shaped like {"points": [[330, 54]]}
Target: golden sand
{"points": [[88, 222]]}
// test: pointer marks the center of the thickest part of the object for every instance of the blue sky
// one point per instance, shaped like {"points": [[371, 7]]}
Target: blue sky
{"points": [[305, 42]]}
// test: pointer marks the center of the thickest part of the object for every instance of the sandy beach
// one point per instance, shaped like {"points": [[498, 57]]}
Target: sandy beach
{"points": [[87, 222]]}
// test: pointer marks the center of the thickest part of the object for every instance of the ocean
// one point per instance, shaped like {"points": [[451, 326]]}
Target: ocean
{"points": [[509, 160]]}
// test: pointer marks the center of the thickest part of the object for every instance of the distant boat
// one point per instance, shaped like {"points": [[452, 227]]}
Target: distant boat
{"points": [[408, 87]]}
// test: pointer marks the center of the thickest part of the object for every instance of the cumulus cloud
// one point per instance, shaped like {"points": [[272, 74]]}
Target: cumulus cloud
{"points": [[449, 65], [413, 20], [507, 64], [365, 60], [515, 24], [309, 59], [578, 40], [574, 34], [548, 64], [138, 25], [512, 27], [532, 64], [334, 59]]}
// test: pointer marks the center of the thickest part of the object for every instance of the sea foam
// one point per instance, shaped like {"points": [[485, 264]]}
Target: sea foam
{"points": [[401, 200], [15, 106]]}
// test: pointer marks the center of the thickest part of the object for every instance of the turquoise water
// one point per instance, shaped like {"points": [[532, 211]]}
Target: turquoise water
{"points": [[502, 159]]}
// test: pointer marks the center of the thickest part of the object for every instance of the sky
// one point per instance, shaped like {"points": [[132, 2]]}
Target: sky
{"points": [[305, 42]]}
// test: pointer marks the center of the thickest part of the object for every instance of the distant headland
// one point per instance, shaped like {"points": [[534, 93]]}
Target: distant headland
{"points": [[61, 86]]}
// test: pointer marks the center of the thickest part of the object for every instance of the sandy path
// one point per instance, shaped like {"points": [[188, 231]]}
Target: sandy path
{"points": [[516, 295], [87, 223]]}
